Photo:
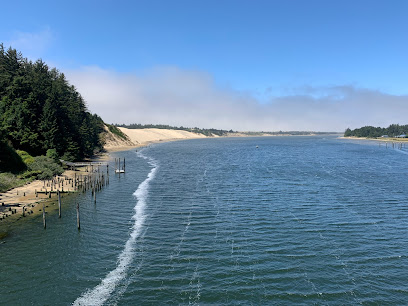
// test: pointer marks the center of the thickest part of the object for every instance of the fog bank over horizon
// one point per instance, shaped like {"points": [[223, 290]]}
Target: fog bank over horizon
{"points": [[177, 97]]}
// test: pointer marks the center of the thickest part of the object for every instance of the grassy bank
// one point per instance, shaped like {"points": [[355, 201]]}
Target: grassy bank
{"points": [[10, 180]]}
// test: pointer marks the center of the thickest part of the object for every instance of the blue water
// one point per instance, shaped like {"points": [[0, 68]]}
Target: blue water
{"points": [[298, 220]]}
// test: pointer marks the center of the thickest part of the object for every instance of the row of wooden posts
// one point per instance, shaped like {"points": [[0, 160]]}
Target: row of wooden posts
{"points": [[394, 145], [94, 182]]}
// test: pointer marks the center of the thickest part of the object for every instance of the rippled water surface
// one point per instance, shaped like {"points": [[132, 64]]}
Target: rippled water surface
{"points": [[298, 220]]}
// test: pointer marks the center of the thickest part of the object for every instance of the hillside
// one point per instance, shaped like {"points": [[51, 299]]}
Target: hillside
{"points": [[112, 140], [40, 110]]}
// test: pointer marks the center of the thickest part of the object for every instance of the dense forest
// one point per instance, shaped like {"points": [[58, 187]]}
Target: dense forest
{"points": [[393, 130], [206, 132], [40, 110]]}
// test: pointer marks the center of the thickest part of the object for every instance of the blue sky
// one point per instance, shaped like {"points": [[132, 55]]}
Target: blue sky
{"points": [[253, 52]]}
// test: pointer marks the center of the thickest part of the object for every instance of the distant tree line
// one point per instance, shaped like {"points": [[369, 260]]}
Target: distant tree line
{"points": [[290, 133], [40, 110], [372, 132], [206, 132], [212, 132]]}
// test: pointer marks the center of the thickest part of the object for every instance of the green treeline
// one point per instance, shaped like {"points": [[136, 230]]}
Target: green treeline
{"points": [[40, 110], [393, 130], [206, 132]]}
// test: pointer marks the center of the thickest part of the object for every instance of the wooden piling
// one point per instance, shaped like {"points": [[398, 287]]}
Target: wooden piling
{"points": [[59, 204], [44, 222], [78, 222]]}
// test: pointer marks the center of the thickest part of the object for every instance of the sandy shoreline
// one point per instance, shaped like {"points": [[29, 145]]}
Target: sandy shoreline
{"points": [[14, 201], [390, 139], [29, 196]]}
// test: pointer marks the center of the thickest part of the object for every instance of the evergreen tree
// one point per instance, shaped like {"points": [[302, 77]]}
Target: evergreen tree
{"points": [[40, 110]]}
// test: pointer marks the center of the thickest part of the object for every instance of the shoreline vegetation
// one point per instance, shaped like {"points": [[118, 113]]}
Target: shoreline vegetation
{"points": [[393, 133], [382, 139]]}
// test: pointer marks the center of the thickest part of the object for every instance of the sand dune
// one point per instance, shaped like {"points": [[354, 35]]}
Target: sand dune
{"points": [[145, 136], [141, 137]]}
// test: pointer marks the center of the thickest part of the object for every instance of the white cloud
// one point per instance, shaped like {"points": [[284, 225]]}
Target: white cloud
{"points": [[173, 96]]}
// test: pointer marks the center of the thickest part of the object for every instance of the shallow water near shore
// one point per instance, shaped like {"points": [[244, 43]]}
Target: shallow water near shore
{"points": [[298, 220]]}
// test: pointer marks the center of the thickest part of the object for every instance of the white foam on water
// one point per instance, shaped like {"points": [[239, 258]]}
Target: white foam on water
{"points": [[101, 293]]}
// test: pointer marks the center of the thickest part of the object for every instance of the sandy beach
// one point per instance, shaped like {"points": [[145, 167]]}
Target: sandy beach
{"points": [[29, 196]]}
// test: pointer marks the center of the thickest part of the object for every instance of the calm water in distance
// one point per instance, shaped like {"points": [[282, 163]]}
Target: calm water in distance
{"points": [[296, 221]]}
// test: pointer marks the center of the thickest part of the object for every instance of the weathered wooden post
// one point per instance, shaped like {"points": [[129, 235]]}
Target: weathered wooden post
{"points": [[78, 223], [95, 198], [44, 222], [59, 204], [124, 164]]}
